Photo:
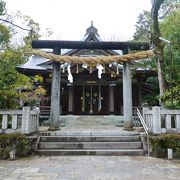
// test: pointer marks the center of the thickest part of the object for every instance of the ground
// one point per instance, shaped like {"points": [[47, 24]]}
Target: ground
{"points": [[89, 168]]}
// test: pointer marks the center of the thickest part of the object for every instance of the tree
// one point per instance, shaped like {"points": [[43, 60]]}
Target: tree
{"points": [[164, 11], [4, 35], [11, 81], [168, 7], [143, 27], [4, 32], [2, 7], [158, 44], [15, 86], [170, 29]]}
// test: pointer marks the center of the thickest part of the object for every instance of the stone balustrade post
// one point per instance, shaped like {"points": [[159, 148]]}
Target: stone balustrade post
{"points": [[144, 111], [14, 121], [25, 127], [168, 122], [156, 120], [178, 123], [5, 121], [146, 118]]}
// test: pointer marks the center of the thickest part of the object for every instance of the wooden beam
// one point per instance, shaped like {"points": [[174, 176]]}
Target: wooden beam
{"points": [[90, 45]]}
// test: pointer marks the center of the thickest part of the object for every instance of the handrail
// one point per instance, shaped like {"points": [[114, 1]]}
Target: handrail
{"points": [[145, 127], [142, 121]]}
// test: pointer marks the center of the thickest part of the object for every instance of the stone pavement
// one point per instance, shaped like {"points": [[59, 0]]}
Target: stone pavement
{"points": [[89, 168]]}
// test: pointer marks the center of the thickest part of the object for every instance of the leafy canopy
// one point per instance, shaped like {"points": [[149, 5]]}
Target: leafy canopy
{"points": [[16, 87]]}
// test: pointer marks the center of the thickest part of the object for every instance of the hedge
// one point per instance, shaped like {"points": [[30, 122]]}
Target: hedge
{"points": [[19, 142], [161, 143]]}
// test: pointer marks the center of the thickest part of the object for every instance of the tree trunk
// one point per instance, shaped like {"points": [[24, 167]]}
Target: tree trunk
{"points": [[158, 44], [160, 67]]}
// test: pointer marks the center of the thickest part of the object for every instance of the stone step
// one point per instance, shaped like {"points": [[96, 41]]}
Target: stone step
{"points": [[104, 152], [90, 145], [124, 138], [93, 133]]}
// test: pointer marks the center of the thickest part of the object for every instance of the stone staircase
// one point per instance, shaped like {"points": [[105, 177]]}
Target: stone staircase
{"points": [[128, 143], [88, 120]]}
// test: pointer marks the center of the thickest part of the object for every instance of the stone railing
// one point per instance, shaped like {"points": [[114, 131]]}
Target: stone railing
{"points": [[161, 121], [25, 121]]}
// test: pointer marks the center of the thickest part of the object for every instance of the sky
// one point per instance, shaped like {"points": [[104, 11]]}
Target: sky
{"points": [[69, 19]]}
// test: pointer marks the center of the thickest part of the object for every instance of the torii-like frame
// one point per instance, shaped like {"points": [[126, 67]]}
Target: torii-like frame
{"points": [[56, 74]]}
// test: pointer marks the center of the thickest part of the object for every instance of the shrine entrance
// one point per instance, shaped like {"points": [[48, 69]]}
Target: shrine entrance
{"points": [[91, 99]]}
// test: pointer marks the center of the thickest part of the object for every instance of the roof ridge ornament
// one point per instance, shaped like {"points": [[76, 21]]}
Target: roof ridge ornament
{"points": [[91, 30], [91, 23]]}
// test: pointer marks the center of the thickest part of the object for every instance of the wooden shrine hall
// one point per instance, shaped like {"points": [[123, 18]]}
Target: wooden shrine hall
{"points": [[90, 77]]}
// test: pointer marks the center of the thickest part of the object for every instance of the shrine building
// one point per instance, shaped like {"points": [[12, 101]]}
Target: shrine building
{"points": [[91, 89]]}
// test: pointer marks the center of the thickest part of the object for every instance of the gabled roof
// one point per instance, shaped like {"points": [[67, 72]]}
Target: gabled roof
{"points": [[34, 62], [39, 63], [91, 35]]}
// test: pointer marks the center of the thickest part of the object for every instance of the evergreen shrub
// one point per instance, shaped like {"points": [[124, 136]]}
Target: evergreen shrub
{"points": [[15, 141]]}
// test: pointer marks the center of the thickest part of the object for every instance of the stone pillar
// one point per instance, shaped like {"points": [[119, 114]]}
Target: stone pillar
{"points": [[55, 92], [127, 96], [168, 123], [5, 121], [111, 98], [70, 102], [156, 120], [25, 127], [178, 123], [14, 121]]}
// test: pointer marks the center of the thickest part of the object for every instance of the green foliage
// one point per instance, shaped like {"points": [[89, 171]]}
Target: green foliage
{"points": [[168, 7], [4, 35], [167, 98], [28, 36], [164, 141], [11, 81], [33, 95], [170, 29], [34, 26], [4, 31], [152, 98], [15, 141], [16, 87], [2, 7], [143, 27]]}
